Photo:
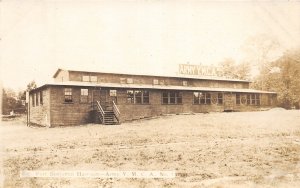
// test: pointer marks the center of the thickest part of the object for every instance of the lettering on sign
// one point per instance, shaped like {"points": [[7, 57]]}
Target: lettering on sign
{"points": [[200, 70]]}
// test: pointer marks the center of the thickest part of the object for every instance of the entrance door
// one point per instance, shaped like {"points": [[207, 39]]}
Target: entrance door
{"points": [[228, 102], [112, 96]]}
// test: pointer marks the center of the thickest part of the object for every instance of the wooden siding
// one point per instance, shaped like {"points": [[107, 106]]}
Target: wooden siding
{"points": [[74, 113], [115, 78], [40, 114], [62, 76]]}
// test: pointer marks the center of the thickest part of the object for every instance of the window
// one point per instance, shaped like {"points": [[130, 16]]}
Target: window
{"points": [[130, 96], [138, 96], [220, 98], [41, 98], [85, 78], [162, 82], [37, 99], [184, 83], [129, 81], [171, 97], [155, 82], [146, 97], [257, 102], [68, 95], [202, 98], [238, 99], [196, 98], [123, 80], [253, 99], [113, 93], [248, 99], [94, 79], [84, 94]]}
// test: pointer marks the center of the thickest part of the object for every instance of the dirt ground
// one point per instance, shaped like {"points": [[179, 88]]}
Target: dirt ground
{"points": [[240, 149]]}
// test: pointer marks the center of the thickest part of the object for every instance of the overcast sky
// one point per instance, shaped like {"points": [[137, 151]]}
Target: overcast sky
{"points": [[37, 37]]}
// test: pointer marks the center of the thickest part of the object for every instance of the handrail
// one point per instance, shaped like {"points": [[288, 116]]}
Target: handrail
{"points": [[116, 111], [101, 110], [115, 106]]}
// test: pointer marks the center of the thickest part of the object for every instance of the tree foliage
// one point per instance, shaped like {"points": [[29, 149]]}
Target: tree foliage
{"points": [[9, 101], [232, 70], [283, 77], [12, 100]]}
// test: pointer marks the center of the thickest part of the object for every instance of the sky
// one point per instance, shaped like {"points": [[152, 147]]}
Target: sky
{"points": [[149, 37]]}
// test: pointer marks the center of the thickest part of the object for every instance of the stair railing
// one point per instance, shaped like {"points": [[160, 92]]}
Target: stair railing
{"points": [[102, 113], [116, 111]]}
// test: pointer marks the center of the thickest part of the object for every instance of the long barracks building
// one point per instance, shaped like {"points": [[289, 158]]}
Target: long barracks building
{"points": [[80, 97]]}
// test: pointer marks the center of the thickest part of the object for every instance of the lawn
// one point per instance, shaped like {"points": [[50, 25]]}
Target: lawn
{"points": [[240, 149]]}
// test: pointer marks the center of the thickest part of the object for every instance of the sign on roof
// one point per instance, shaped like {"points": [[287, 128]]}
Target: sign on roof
{"points": [[200, 70]]}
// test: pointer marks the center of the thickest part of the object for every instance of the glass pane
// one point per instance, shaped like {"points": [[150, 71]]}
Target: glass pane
{"points": [[165, 100], [138, 100], [84, 92], [172, 100], [146, 93], [85, 78], [196, 98], [94, 78], [165, 94], [172, 94], [146, 100], [208, 101], [68, 98], [130, 100], [138, 93]]}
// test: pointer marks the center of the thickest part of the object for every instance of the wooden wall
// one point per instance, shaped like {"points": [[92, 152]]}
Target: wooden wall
{"points": [[73, 113], [76, 113], [115, 78], [40, 114]]}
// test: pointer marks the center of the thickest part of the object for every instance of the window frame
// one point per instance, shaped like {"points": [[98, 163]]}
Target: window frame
{"points": [[177, 98], [85, 78], [84, 97], [129, 80], [204, 98], [68, 94], [94, 78], [142, 99], [238, 98], [220, 98], [253, 99]]}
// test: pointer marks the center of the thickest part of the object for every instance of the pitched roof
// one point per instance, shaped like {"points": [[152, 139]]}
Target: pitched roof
{"points": [[164, 76]]}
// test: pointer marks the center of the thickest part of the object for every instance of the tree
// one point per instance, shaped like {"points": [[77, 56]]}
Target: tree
{"points": [[260, 50], [13, 101], [31, 85], [232, 70], [284, 78], [9, 101]]}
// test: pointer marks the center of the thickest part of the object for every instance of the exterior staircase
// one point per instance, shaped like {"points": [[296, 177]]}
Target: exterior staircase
{"points": [[109, 116]]}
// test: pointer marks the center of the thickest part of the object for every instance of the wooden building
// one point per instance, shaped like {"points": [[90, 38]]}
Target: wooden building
{"points": [[80, 97]]}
